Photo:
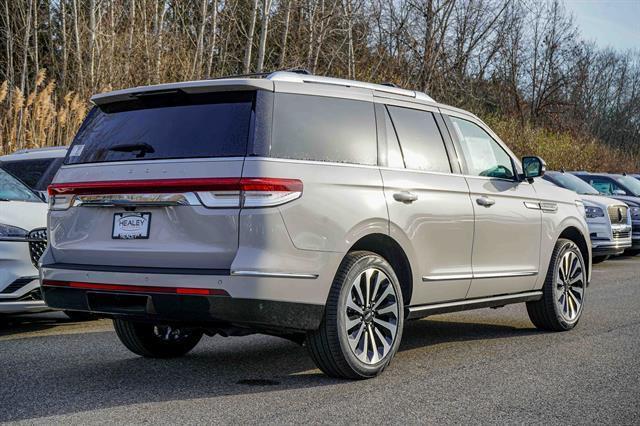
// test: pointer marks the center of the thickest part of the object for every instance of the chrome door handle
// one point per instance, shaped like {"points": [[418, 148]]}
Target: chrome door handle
{"points": [[405, 197], [485, 201]]}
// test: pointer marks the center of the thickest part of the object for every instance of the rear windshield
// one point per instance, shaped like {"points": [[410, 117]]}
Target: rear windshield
{"points": [[35, 173], [175, 125]]}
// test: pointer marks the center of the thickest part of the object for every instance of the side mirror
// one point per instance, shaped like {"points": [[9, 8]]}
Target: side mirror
{"points": [[533, 167], [619, 192]]}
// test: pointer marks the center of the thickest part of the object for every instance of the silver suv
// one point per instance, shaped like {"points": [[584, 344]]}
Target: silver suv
{"points": [[322, 210]]}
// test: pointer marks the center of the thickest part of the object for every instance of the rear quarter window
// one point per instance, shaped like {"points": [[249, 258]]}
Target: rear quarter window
{"points": [[29, 171], [323, 129]]}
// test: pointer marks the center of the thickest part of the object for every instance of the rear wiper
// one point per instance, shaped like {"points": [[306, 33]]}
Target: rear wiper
{"points": [[143, 148]]}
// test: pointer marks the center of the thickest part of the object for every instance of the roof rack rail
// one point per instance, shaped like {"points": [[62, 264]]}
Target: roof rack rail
{"points": [[264, 74], [294, 77]]}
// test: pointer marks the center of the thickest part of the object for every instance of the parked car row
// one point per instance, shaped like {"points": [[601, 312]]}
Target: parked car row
{"points": [[321, 210]]}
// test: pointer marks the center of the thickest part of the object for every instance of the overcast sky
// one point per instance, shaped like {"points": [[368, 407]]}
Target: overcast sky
{"points": [[614, 23]]}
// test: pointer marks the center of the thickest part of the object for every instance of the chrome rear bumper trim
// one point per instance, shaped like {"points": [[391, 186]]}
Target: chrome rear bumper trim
{"points": [[274, 275]]}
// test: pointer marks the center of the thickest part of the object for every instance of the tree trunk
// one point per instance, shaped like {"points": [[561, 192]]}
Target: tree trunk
{"points": [[266, 6], [246, 67], [132, 23], [214, 29], [285, 35], [76, 30], [199, 45]]}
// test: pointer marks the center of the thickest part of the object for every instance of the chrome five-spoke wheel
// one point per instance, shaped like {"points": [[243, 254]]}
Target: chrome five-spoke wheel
{"points": [[569, 286], [372, 316]]}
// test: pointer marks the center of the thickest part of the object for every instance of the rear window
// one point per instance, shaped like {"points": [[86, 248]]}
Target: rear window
{"points": [[28, 171], [175, 125], [324, 129]]}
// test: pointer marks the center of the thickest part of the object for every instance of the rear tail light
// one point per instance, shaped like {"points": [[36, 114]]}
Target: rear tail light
{"points": [[212, 192]]}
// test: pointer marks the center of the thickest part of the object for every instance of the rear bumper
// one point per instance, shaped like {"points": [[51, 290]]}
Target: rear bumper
{"points": [[255, 300], [187, 309]]}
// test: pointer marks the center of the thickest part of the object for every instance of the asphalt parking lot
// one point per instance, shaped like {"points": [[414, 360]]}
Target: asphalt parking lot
{"points": [[474, 367]]}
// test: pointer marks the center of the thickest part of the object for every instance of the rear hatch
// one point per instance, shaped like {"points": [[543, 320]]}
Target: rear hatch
{"points": [[153, 181]]}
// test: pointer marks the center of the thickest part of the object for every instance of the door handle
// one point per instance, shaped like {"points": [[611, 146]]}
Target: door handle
{"points": [[485, 201], [405, 197]]}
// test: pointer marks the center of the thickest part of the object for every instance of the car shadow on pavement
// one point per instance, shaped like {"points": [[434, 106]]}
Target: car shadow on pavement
{"points": [[93, 371], [32, 323]]}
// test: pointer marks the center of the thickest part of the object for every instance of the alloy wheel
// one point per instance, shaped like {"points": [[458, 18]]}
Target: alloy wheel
{"points": [[569, 286], [371, 316]]}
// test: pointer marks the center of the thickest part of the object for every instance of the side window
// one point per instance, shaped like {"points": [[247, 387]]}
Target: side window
{"points": [[483, 155], [324, 129], [605, 186], [394, 153], [420, 139]]}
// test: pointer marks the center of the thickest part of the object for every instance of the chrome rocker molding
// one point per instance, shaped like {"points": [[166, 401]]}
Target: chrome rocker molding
{"points": [[414, 312], [273, 275], [478, 276]]}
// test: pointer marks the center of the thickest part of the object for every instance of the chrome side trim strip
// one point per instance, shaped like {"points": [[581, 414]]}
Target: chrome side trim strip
{"points": [[505, 274], [478, 276], [274, 275], [481, 302], [447, 277]]}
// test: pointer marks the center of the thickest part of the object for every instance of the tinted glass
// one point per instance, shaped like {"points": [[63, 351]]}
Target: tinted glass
{"points": [[630, 183], [28, 171], [572, 182], [324, 129], [604, 185], [420, 139], [13, 190], [483, 155], [168, 126]]}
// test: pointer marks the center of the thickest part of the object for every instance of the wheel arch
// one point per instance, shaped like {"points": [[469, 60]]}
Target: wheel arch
{"points": [[393, 253], [574, 234]]}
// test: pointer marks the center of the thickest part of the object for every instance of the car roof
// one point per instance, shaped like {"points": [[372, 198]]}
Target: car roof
{"points": [[36, 153], [305, 82]]}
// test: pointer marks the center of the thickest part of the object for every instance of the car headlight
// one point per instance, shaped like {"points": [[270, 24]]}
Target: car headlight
{"points": [[12, 233], [593, 212], [635, 212]]}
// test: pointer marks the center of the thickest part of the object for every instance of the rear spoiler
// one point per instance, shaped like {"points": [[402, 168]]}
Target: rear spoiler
{"points": [[201, 86]]}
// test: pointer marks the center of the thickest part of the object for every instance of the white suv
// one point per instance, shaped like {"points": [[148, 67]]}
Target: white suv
{"points": [[23, 218]]}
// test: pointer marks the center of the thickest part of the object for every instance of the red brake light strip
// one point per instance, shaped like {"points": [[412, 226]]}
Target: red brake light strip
{"points": [[176, 185], [136, 288]]}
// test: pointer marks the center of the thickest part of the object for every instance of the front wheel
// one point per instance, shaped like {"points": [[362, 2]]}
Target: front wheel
{"points": [[363, 320], [156, 341], [563, 292]]}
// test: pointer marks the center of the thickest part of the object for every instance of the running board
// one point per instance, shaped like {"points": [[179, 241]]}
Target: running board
{"points": [[414, 312]]}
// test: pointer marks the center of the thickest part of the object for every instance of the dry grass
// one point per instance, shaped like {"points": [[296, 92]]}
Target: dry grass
{"points": [[40, 119], [562, 150]]}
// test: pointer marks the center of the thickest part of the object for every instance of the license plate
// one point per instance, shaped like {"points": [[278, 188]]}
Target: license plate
{"points": [[131, 226]]}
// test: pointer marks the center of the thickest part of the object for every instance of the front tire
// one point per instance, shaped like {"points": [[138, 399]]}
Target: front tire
{"points": [[363, 320], [156, 341], [563, 292]]}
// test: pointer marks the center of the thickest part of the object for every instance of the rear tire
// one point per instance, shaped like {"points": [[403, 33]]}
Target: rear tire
{"points": [[632, 252], [156, 341], [563, 292], [364, 315], [598, 259]]}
